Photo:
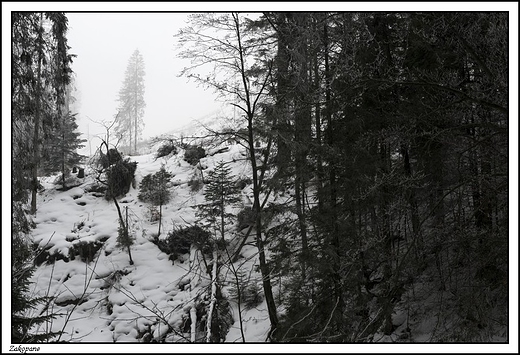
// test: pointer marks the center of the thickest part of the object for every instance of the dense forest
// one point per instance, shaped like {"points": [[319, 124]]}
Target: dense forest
{"points": [[43, 137], [392, 131], [388, 132]]}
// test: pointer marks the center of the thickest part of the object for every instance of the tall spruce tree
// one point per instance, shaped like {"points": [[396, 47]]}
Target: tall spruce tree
{"points": [[130, 123]]}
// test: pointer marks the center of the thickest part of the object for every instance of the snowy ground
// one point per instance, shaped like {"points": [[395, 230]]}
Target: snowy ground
{"points": [[107, 299]]}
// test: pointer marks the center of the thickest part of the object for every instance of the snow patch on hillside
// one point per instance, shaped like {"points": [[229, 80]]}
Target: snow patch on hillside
{"points": [[106, 299]]}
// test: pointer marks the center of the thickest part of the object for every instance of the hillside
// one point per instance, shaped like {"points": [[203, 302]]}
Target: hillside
{"points": [[101, 296]]}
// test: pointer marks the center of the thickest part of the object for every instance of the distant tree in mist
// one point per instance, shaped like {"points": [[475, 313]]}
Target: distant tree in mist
{"points": [[129, 125]]}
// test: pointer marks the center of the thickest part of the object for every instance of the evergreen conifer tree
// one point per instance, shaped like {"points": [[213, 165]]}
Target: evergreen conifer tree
{"points": [[131, 102], [60, 152], [156, 189], [22, 305], [220, 192]]}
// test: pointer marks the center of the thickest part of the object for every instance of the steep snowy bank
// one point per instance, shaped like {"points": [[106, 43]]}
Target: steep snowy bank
{"points": [[99, 296]]}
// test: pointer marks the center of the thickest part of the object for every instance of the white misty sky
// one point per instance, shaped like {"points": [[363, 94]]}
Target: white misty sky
{"points": [[103, 43]]}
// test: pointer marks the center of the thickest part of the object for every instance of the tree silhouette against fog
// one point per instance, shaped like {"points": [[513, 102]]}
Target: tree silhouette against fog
{"points": [[129, 125]]}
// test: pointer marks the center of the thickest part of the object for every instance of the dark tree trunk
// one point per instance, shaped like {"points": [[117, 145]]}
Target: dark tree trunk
{"points": [[37, 118], [318, 141], [302, 129], [257, 208], [257, 182], [282, 127], [160, 219], [335, 235]]}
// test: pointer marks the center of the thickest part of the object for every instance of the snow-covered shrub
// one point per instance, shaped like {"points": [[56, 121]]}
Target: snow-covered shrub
{"points": [[155, 188], [245, 218], [243, 182], [85, 250], [119, 178], [193, 154], [112, 157], [154, 213], [45, 255], [124, 239], [179, 241], [95, 188], [221, 319], [166, 149], [250, 293], [195, 185]]}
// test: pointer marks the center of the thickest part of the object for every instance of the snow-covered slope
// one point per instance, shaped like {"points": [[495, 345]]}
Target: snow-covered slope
{"points": [[99, 295]]}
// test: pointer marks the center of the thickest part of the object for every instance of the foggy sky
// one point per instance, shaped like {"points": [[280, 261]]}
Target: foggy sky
{"points": [[104, 42]]}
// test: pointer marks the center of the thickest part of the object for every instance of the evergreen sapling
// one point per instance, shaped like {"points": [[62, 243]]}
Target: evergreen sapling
{"points": [[156, 189]]}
